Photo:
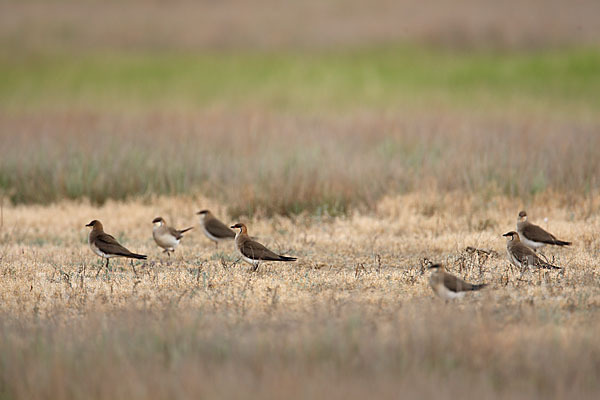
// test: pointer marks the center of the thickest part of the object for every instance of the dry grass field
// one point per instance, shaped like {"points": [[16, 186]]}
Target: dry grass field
{"points": [[368, 139], [354, 317], [267, 163], [270, 24]]}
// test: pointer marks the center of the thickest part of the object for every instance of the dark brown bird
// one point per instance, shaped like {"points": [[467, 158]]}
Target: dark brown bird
{"points": [[448, 286], [535, 237], [214, 229], [107, 246], [253, 252], [166, 236], [522, 256]]}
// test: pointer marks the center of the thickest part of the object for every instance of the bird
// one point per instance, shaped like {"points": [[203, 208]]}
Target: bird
{"points": [[448, 286], [107, 246], [522, 256], [535, 237], [166, 236], [253, 252], [214, 229]]}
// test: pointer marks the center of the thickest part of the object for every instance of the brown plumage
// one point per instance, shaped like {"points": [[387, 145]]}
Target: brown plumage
{"points": [[214, 229], [534, 236], [166, 236], [522, 256], [253, 252], [449, 286], [106, 246]]}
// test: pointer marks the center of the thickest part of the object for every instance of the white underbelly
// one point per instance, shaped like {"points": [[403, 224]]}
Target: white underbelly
{"points": [[166, 241], [531, 244], [100, 252], [250, 261], [214, 238], [447, 294]]}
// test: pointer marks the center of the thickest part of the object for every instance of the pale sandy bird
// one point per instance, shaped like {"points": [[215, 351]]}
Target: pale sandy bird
{"points": [[107, 246], [166, 236], [214, 229], [522, 256], [448, 286], [533, 236], [253, 252]]}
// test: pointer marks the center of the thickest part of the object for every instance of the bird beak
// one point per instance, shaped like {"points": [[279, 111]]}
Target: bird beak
{"points": [[507, 234], [233, 226], [90, 224], [199, 212]]}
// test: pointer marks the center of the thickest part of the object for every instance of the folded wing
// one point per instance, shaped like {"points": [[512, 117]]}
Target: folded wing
{"points": [[456, 284], [526, 256], [109, 245], [178, 234], [218, 229], [257, 251], [537, 234]]}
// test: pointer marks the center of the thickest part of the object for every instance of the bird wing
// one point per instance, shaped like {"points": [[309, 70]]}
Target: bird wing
{"points": [[537, 234], [218, 229], [177, 234], [525, 255], [256, 251], [109, 245], [455, 284]]}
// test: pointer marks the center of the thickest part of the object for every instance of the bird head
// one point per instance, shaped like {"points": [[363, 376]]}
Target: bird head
{"points": [[203, 213], [95, 224], [522, 216], [436, 267], [241, 227], [512, 235], [158, 221]]}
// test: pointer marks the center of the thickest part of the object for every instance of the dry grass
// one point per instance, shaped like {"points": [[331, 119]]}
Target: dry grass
{"points": [[326, 116], [281, 164], [269, 24], [354, 317], [373, 190]]}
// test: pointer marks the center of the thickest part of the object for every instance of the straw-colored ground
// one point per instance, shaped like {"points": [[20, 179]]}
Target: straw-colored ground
{"points": [[392, 133], [353, 318]]}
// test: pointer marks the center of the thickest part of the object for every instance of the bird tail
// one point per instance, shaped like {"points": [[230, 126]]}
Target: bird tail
{"points": [[186, 229], [138, 256], [479, 287], [286, 258], [549, 266], [562, 243]]}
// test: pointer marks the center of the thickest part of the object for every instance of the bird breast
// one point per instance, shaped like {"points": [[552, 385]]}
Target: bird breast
{"points": [[165, 239], [99, 252]]}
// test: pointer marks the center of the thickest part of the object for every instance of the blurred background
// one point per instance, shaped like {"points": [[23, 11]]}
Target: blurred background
{"points": [[284, 107]]}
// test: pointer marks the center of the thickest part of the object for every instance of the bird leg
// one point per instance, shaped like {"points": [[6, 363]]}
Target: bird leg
{"points": [[256, 267], [101, 268], [133, 267]]}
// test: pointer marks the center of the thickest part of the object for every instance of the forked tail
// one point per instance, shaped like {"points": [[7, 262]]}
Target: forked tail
{"points": [[479, 287], [549, 266], [138, 256], [562, 243]]}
